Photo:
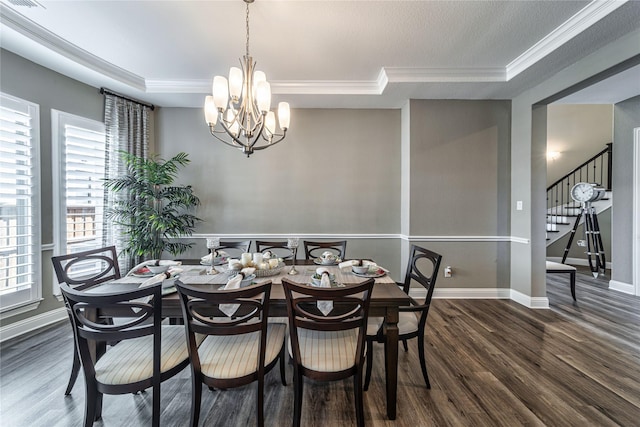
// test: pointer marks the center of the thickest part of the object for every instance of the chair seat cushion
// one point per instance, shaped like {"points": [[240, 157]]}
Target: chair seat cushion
{"points": [[131, 360], [327, 351], [235, 356], [407, 323]]}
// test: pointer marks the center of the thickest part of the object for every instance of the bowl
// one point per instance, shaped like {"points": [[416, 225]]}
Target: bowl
{"points": [[157, 269], [360, 269], [328, 259], [247, 280]]}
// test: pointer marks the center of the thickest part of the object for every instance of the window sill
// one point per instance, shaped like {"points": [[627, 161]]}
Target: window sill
{"points": [[19, 309]]}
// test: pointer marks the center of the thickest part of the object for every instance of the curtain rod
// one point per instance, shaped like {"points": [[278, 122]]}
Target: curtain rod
{"points": [[110, 92]]}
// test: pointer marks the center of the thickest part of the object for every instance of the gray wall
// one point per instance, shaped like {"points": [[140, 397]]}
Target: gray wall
{"points": [[626, 117], [337, 172], [50, 90], [578, 132], [459, 179]]}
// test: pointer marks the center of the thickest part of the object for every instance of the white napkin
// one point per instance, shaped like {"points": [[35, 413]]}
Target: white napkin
{"points": [[233, 283], [158, 278], [325, 306], [349, 263], [207, 257]]}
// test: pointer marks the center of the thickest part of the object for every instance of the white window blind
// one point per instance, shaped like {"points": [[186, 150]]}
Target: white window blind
{"points": [[79, 162], [19, 203]]}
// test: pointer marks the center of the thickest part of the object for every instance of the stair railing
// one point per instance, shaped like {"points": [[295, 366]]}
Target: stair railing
{"points": [[598, 169]]}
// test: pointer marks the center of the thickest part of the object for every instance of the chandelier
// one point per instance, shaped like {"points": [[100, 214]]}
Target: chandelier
{"points": [[238, 113]]}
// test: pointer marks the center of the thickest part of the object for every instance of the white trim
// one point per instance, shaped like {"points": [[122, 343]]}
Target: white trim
{"points": [[527, 301], [575, 261], [47, 247], [635, 244], [444, 75], [273, 236], [627, 288], [20, 308], [588, 16], [462, 293], [57, 44], [484, 293], [33, 302], [246, 236], [471, 293], [33, 323]]}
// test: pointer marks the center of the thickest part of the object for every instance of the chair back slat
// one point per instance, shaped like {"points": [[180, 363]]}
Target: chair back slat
{"points": [[278, 248], [88, 268], [416, 272], [315, 249], [351, 304], [137, 312], [202, 314]]}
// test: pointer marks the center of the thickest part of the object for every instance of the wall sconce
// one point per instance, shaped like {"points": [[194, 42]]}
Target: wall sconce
{"points": [[552, 155]]}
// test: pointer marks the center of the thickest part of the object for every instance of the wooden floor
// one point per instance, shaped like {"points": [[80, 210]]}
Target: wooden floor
{"points": [[492, 363]]}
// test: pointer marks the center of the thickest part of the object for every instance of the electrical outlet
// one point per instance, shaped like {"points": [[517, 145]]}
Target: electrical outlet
{"points": [[519, 205], [447, 271]]}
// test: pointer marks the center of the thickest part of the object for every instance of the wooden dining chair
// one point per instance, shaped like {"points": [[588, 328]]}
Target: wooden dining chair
{"points": [[313, 250], [279, 248], [146, 352], [237, 248], [327, 348], [80, 271], [237, 350], [423, 269]]}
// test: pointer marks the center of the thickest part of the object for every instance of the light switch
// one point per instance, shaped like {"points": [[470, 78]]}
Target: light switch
{"points": [[519, 205]]}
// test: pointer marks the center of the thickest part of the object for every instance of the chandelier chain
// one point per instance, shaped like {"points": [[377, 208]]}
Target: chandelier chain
{"points": [[247, 22]]}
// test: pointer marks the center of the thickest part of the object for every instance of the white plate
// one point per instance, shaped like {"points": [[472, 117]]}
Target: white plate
{"points": [[369, 275], [147, 274]]}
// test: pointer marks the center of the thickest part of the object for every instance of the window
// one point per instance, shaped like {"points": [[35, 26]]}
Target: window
{"points": [[20, 281], [79, 170]]}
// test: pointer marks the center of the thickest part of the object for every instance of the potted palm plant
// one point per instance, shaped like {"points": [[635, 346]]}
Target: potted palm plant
{"points": [[151, 210]]}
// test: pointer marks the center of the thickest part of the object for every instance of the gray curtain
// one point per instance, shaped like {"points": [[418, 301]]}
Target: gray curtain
{"points": [[127, 129]]}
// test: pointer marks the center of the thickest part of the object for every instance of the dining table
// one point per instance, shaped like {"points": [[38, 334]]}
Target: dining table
{"points": [[386, 299]]}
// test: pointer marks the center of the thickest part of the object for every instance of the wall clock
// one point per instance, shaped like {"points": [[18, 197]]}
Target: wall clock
{"points": [[584, 192]]}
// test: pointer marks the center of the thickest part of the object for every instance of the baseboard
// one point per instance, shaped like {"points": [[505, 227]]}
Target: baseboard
{"points": [[627, 288], [527, 301], [484, 293], [575, 261], [463, 293], [29, 324]]}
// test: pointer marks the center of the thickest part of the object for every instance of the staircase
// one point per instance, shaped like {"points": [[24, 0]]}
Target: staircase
{"points": [[562, 211]]}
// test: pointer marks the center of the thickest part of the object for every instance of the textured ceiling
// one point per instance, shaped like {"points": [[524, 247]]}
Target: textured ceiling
{"points": [[316, 53]]}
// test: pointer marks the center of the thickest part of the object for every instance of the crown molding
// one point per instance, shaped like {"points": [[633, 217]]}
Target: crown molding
{"points": [[34, 32], [444, 75], [586, 17], [178, 86]]}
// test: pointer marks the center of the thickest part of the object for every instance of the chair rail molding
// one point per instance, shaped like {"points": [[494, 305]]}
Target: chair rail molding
{"points": [[409, 238]]}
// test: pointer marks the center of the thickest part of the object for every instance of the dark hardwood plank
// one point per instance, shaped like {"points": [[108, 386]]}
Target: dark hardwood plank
{"points": [[491, 363]]}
